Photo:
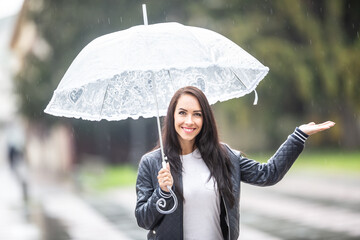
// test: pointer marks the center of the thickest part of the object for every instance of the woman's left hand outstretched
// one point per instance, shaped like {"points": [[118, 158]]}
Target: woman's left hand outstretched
{"points": [[312, 127]]}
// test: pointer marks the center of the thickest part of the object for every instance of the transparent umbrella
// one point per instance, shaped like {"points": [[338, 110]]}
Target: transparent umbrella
{"points": [[134, 73]]}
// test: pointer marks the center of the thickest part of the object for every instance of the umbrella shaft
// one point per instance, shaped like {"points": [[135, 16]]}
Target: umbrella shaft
{"points": [[160, 136], [159, 126], [145, 14]]}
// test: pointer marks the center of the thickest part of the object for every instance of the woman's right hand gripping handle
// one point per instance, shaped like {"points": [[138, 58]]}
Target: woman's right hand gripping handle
{"points": [[165, 178]]}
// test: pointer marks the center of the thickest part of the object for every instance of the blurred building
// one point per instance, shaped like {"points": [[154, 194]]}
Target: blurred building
{"points": [[49, 150], [8, 106]]}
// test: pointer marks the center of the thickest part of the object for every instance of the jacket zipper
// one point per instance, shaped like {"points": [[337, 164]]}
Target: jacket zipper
{"points": [[227, 218]]}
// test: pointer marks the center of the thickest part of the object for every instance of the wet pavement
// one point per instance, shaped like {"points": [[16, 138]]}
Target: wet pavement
{"points": [[302, 206], [15, 221], [305, 206], [53, 211]]}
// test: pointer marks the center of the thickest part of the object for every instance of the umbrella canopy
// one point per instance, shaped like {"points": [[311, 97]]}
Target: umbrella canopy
{"points": [[116, 75]]}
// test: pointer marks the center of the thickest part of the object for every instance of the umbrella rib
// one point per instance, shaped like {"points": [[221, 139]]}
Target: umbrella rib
{"points": [[171, 80], [237, 78], [103, 102]]}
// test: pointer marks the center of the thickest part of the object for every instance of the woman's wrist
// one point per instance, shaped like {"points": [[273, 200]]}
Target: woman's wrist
{"points": [[300, 135]]}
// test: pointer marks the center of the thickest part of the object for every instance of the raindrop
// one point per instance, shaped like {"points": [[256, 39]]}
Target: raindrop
{"points": [[357, 34], [121, 19], [109, 20], [310, 41]]}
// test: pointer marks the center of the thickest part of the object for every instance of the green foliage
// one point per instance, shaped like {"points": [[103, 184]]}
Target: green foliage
{"points": [[108, 178], [311, 51], [311, 47]]}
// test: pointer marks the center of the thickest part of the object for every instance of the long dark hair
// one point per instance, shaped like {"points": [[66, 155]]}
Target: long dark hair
{"points": [[207, 141]]}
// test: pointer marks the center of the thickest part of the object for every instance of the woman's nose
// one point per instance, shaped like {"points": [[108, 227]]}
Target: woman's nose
{"points": [[188, 119]]}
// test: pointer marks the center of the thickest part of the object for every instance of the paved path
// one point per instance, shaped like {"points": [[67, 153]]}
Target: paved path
{"points": [[14, 222], [302, 206], [53, 212], [305, 206]]}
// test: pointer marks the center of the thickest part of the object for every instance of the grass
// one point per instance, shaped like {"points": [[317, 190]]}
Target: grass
{"points": [[333, 162], [108, 177], [328, 161]]}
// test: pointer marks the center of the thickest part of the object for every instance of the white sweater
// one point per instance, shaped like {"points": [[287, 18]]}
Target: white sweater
{"points": [[202, 200]]}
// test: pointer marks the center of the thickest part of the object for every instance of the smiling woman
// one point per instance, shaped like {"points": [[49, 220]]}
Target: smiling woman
{"points": [[204, 173]]}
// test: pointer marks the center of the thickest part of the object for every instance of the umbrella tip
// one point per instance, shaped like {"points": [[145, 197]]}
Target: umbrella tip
{"points": [[145, 14]]}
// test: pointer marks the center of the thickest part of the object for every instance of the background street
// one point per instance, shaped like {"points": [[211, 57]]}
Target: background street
{"points": [[302, 206]]}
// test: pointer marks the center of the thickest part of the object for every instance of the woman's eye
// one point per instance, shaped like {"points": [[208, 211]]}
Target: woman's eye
{"points": [[198, 114], [182, 113]]}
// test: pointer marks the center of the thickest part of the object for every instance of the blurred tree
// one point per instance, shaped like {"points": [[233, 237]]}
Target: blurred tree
{"points": [[312, 49]]}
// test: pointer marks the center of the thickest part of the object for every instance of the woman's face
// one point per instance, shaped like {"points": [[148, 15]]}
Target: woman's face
{"points": [[188, 119]]}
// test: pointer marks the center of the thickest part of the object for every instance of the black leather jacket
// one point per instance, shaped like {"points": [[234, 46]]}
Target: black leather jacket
{"points": [[244, 169]]}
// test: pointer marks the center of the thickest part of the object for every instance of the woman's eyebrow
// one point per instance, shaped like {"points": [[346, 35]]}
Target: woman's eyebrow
{"points": [[183, 109]]}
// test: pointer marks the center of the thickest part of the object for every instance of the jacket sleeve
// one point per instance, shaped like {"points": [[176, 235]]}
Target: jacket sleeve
{"points": [[267, 174], [146, 213]]}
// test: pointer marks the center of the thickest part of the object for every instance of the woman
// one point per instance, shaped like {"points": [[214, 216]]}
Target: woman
{"points": [[204, 173]]}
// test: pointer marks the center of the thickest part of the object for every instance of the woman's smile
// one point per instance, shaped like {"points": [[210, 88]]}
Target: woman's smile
{"points": [[188, 130]]}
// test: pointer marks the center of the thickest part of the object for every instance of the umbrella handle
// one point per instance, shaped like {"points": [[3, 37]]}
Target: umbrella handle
{"points": [[162, 203]]}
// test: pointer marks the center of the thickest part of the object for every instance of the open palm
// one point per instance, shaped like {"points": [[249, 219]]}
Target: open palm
{"points": [[312, 127]]}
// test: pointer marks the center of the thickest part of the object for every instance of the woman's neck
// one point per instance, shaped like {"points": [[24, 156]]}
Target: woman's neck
{"points": [[187, 147]]}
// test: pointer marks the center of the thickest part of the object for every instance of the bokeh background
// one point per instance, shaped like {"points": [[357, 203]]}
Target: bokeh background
{"points": [[311, 47]]}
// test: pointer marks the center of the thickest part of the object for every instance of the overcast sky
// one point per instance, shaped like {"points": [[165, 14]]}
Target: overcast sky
{"points": [[9, 7]]}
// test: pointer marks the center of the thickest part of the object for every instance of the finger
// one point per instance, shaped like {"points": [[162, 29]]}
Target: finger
{"points": [[168, 166], [322, 127], [162, 176], [163, 181], [327, 123], [164, 170], [330, 123], [325, 126]]}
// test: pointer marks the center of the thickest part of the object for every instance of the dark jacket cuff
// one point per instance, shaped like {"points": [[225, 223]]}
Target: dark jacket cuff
{"points": [[300, 135]]}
